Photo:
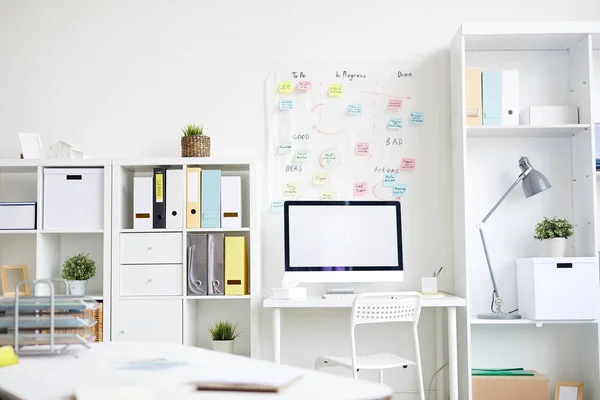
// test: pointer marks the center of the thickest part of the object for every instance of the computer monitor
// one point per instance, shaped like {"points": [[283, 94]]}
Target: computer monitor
{"points": [[343, 241]]}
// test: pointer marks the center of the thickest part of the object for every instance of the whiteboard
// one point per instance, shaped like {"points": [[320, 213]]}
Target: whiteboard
{"points": [[374, 137]]}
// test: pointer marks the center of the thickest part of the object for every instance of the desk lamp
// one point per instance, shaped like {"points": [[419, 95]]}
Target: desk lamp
{"points": [[534, 182]]}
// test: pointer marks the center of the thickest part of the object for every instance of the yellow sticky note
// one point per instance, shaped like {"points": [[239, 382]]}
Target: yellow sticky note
{"points": [[327, 196], [335, 89], [320, 179], [290, 190], [285, 86], [8, 356]]}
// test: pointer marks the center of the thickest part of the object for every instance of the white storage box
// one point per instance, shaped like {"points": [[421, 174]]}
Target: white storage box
{"points": [[549, 115], [558, 288], [73, 198], [21, 215]]}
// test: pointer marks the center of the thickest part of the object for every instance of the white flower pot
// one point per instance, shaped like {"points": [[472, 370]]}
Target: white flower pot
{"points": [[77, 288], [554, 247], [225, 346]]}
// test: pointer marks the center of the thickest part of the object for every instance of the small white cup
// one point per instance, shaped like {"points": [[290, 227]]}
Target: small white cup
{"points": [[429, 285]]}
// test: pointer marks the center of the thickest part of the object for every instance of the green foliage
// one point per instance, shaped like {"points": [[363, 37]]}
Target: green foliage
{"points": [[78, 268], [224, 330], [550, 228], [192, 130]]}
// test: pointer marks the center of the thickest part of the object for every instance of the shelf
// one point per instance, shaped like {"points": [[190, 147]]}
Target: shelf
{"points": [[200, 230], [95, 296], [525, 321], [526, 131], [72, 231], [247, 296], [150, 230], [18, 231]]}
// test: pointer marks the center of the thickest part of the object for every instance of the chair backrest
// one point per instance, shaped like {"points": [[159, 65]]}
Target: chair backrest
{"points": [[373, 308]]}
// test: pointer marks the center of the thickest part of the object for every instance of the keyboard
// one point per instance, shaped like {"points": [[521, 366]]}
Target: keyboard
{"points": [[339, 296]]}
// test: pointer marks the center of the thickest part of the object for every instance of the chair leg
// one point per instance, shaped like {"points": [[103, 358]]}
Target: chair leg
{"points": [[381, 376], [419, 367], [354, 373]]}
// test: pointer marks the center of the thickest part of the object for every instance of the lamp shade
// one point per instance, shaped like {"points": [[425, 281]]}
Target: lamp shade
{"points": [[534, 182]]}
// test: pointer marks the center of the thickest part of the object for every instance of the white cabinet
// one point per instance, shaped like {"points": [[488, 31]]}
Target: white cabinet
{"points": [[151, 248], [148, 320], [152, 280]]}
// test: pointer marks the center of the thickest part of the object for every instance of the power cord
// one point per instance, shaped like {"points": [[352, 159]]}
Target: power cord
{"points": [[433, 377]]}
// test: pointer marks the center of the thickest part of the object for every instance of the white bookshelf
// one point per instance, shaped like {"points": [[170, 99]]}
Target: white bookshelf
{"points": [[555, 63], [42, 250], [193, 314]]}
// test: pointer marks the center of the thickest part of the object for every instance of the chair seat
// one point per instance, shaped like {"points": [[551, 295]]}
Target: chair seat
{"points": [[372, 361]]}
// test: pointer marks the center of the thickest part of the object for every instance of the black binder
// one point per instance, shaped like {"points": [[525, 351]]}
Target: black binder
{"points": [[159, 198]]}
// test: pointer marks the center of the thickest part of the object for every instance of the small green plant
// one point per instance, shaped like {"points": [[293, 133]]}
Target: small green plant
{"points": [[78, 268], [224, 330], [550, 228], [192, 130]]}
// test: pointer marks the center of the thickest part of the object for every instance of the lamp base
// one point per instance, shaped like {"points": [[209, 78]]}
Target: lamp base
{"points": [[503, 316]]}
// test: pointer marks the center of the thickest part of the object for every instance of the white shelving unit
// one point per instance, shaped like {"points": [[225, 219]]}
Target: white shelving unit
{"points": [[183, 318], [42, 250], [555, 63]]}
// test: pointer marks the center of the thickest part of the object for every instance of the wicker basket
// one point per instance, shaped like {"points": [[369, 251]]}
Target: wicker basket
{"points": [[96, 329], [195, 146]]}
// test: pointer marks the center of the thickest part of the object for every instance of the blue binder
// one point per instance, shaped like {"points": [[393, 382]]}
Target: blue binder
{"points": [[492, 97], [211, 199]]}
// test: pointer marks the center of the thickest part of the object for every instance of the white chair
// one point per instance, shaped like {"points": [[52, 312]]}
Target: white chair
{"points": [[377, 308]]}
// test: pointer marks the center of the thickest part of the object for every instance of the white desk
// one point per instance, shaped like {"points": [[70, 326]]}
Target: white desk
{"points": [[45, 377], [449, 302]]}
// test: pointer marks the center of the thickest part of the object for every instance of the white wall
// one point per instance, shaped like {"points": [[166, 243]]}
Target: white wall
{"points": [[119, 78]]}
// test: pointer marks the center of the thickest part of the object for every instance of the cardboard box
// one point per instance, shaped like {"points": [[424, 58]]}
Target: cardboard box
{"points": [[535, 387]]}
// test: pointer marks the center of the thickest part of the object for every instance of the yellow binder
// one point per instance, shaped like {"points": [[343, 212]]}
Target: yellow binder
{"points": [[192, 197], [236, 267], [473, 97]]}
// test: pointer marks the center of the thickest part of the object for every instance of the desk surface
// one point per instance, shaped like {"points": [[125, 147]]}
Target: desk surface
{"points": [[45, 377], [318, 301]]}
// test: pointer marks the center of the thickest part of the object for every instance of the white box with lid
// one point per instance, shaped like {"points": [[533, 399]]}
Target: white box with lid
{"points": [[564, 288], [73, 198]]}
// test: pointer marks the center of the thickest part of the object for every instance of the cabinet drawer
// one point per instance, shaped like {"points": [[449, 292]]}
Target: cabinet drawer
{"points": [[148, 321], [150, 280], [151, 248]]}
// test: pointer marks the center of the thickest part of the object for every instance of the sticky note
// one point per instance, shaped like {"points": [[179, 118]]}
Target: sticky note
{"points": [[416, 118], [286, 104], [327, 196], [360, 189], [389, 180], [329, 159], [277, 206], [285, 86], [361, 149], [400, 189], [335, 90], [395, 104], [301, 155], [304, 85], [408, 163], [290, 190], [284, 147], [354, 109], [395, 123], [320, 179]]}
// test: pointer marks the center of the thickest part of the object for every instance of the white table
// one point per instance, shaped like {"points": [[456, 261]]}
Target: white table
{"points": [[55, 377], [449, 303]]}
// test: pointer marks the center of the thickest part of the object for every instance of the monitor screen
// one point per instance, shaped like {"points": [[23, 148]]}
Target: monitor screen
{"points": [[342, 236]]}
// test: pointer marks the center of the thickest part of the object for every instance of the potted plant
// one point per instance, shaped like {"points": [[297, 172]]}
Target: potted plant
{"points": [[223, 336], [77, 270], [194, 142], [555, 232]]}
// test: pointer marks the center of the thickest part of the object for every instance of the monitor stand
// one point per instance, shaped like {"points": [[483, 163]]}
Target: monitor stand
{"points": [[341, 291]]}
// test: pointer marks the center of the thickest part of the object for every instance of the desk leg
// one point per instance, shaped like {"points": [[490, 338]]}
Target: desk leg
{"points": [[452, 353], [439, 328], [277, 335]]}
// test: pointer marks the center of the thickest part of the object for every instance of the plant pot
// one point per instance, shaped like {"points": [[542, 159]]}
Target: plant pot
{"points": [[77, 288], [224, 346], [195, 146], [554, 247]]}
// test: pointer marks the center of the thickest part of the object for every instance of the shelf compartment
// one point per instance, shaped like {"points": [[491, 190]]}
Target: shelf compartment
{"points": [[525, 321], [526, 131], [243, 297]]}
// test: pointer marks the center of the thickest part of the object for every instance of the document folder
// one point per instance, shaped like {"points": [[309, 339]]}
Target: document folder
{"points": [[473, 96], [197, 265], [231, 201], [159, 197], [142, 202], [216, 264], [236, 271], [211, 199], [174, 199], [510, 97], [492, 98], [192, 201]]}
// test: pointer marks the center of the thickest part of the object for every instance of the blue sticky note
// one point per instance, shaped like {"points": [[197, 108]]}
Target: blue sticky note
{"points": [[395, 123], [389, 180], [354, 109], [416, 118], [286, 104], [277, 206], [400, 189]]}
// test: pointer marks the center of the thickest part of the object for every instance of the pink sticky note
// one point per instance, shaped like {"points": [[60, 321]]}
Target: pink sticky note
{"points": [[360, 189], [409, 163], [304, 85], [395, 104], [361, 149]]}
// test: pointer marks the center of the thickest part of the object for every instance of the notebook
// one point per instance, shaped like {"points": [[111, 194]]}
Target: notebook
{"points": [[272, 381]]}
